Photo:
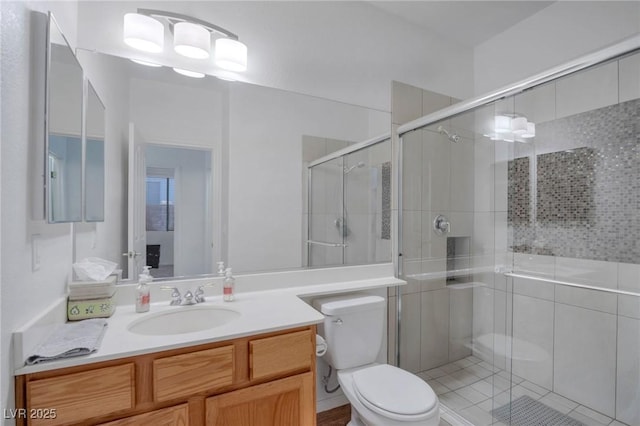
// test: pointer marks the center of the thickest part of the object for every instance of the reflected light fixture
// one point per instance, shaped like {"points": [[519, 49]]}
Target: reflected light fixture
{"points": [[511, 128], [189, 73], [145, 63], [191, 37]]}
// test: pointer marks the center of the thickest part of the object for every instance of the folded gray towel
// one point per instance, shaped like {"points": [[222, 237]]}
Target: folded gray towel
{"points": [[69, 340]]}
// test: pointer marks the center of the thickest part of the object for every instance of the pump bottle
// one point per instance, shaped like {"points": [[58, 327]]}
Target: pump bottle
{"points": [[228, 286], [143, 293]]}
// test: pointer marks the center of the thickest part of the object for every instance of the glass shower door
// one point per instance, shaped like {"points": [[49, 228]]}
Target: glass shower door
{"points": [[327, 224]]}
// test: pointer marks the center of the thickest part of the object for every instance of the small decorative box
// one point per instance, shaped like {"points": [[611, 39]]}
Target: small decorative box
{"points": [[90, 308]]}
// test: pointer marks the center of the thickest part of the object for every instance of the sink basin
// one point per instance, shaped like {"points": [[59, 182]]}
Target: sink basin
{"points": [[187, 319]]}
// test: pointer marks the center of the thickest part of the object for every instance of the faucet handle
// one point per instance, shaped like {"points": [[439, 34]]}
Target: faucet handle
{"points": [[199, 294], [176, 299]]}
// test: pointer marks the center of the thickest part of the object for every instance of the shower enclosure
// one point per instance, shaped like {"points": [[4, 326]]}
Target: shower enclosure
{"points": [[349, 205], [520, 241]]}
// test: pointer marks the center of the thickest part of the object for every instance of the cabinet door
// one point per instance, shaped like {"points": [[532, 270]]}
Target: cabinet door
{"points": [[172, 416], [284, 402]]}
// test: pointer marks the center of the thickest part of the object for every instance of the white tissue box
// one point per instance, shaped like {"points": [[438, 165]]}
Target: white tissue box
{"points": [[83, 290]]}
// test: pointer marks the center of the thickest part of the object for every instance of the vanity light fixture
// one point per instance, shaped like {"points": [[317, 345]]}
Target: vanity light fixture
{"points": [[189, 73], [191, 37], [144, 33]]}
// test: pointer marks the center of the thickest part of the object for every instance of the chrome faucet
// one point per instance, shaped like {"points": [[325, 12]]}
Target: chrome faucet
{"points": [[189, 298]]}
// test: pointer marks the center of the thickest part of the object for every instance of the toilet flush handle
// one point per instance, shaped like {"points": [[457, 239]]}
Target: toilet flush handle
{"points": [[338, 321]]}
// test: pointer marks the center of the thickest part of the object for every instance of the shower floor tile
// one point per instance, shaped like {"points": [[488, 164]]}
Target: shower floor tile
{"points": [[472, 388]]}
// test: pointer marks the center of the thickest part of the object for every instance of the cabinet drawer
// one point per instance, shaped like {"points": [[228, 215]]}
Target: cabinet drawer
{"points": [[83, 395], [188, 374], [280, 355], [172, 416]]}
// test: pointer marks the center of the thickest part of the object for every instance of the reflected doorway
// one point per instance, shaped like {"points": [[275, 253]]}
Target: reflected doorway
{"points": [[178, 219]]}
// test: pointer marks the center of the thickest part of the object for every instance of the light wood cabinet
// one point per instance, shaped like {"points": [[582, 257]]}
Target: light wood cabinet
{"points": [[269, 377], [172, 416], [288, 401]]}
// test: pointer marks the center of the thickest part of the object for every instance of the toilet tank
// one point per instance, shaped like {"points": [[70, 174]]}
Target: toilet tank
{"points": [[353, 329]]}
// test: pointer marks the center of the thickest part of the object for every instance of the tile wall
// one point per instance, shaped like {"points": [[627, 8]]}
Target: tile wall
{"points": [[437, 179]]}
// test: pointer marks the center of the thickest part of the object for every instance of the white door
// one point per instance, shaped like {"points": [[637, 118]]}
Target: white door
{"points": [[137, 243]]}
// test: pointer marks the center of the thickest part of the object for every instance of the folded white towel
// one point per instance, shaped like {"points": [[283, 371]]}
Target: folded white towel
{"points": [[69, 340]]}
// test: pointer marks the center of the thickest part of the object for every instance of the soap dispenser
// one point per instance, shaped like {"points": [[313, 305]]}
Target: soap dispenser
{"points": [[143, 292], [221, 270], [229, 285]]}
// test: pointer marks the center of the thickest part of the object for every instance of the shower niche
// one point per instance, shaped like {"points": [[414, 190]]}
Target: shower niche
{"points": [[458, 260]]}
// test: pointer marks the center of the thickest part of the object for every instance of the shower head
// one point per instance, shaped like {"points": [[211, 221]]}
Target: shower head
{"points": [[348, 170], [451, 136]]}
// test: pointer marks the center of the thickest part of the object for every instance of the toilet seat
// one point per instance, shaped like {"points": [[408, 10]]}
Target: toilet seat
{"points": [[394, 393]]}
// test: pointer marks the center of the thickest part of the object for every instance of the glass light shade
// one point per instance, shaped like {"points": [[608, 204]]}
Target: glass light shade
{"points": [[508, 137], [531, 130], [502, 124], [143, 33], [191, 40], [146, 63], [188, 73], [231, 55], [519, 125]]}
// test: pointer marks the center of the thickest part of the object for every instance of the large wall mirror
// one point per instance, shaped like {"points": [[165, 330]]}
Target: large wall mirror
{"points": [[63, 169], [219, 169]]}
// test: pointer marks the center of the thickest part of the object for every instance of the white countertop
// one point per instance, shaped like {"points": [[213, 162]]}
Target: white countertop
{"points": [[260, 312]]}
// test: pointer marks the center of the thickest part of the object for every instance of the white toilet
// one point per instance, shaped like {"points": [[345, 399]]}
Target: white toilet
{"points": [[380, 394]]}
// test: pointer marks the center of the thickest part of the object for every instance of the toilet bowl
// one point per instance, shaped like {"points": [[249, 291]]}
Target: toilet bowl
{"points": [[383, 395], [380, 394]]}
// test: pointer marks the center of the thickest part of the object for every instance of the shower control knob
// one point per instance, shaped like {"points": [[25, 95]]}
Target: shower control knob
{"points": [[441, 225]]}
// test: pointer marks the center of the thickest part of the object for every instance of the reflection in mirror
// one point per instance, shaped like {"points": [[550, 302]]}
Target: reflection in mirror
{"points": [[259, 141], [64, 123], [94, 158], [178, 200]]}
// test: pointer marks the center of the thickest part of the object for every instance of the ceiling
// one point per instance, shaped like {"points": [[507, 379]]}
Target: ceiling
{"points": [[468, 23]]}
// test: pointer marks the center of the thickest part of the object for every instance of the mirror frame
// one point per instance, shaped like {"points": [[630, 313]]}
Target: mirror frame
{"points": [[51, 22]]}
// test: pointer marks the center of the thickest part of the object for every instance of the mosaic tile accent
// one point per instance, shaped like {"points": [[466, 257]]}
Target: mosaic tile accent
{"points": [[519, 192], [587, 194], [565, 187], [386, 200]]}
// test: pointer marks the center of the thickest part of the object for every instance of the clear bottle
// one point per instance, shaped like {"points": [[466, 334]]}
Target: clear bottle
{"points": [[143, 292], [221, 270], [229, 286]]}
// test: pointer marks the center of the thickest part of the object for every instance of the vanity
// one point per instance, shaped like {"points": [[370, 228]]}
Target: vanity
{"points": [[248, 362], [268, 376]]}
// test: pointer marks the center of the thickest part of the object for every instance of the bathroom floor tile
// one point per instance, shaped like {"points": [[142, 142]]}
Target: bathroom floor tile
{"points": [[473, 389], [477, 416], [455, 401], [471, 394]]}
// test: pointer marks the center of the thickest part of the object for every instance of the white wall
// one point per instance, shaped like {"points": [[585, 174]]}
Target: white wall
{"points": [[25, 293], [561, 32]]}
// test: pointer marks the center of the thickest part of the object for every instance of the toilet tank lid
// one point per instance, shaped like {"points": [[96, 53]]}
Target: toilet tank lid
{"points": [[340, 305]]}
